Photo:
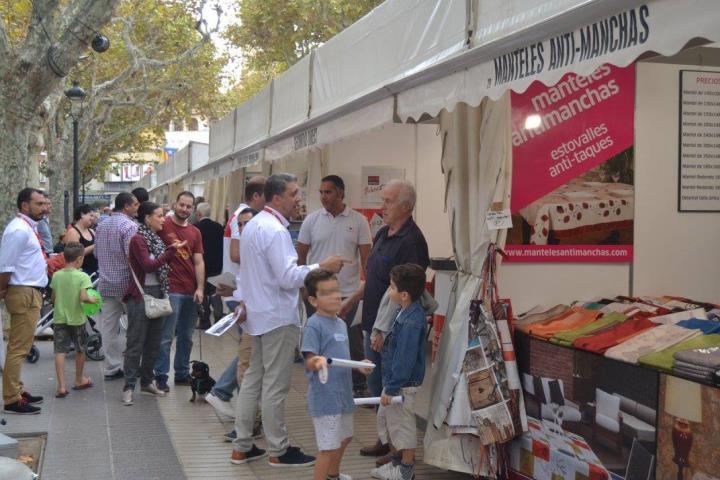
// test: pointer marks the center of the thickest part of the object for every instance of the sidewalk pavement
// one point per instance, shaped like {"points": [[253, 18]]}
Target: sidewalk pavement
{"points": [[92, 435]]}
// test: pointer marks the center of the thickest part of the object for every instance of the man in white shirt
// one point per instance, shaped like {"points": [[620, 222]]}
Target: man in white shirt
{"points": [[269, 267], [23, 273], [338, 229]]}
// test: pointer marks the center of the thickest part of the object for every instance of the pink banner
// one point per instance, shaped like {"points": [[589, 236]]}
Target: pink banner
{"points": [[573, 171]]}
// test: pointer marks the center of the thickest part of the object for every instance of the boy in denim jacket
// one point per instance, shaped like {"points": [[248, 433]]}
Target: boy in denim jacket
{"points": [[403, 364]]}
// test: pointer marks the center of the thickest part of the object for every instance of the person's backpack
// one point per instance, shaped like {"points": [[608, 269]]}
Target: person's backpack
{"points": [[55, 263]]}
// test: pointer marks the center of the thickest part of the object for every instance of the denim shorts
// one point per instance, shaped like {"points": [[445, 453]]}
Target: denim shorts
{"points": [[65, 336]]}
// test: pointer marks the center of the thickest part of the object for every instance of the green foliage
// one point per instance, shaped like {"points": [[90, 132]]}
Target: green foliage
{"points": [[274, 34], [131, 115]]}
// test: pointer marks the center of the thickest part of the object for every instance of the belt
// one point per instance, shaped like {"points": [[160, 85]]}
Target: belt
{"points": [[39, 289]]}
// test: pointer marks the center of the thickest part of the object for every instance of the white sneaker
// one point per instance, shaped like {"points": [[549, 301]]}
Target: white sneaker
{"points": [[127, 397], [343, 476], [152, 389], [387, 472], [221, 406]]}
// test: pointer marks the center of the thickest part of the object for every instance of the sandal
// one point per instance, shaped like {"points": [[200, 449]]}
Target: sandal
{"points": [[84, 386], [62, 394]]}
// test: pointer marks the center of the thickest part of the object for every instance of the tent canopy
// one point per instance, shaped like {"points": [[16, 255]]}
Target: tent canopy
{"points": [[424, 56]]}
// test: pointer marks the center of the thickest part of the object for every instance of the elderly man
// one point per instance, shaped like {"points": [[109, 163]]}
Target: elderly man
{"points": [[270, 270], [400, 241], [23, 272], [338, 229], [112, 241]]}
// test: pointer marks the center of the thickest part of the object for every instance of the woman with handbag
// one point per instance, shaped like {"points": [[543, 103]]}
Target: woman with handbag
{"points": [[147, 300]]}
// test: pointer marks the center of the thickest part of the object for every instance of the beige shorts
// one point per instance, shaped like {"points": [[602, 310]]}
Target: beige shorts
{"points": [[396, 422], [331, 430]]}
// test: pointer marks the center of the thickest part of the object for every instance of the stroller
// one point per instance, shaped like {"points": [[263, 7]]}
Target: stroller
{"points": [[93, 346]]}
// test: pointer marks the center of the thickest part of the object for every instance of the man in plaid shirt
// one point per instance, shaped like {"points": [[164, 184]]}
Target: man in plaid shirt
{"points": [[112, 241]]}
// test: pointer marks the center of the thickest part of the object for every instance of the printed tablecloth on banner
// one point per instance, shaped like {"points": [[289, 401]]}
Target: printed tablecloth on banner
{"points": [[543, 454], [580, 207]]}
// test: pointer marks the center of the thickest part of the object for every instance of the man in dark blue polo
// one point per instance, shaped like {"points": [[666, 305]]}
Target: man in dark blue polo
{"points": [[400, 241]]}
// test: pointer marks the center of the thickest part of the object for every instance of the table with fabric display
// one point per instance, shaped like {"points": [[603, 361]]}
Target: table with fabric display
{"points": [[543, 454]]}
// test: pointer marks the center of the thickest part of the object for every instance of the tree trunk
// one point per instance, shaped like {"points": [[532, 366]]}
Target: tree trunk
{"points": [[13, 158]]}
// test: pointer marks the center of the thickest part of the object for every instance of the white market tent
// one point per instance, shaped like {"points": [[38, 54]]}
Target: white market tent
{"points": [[417, 60]]}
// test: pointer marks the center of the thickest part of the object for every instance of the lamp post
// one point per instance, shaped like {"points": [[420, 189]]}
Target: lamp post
{"points": [[76, 95]]}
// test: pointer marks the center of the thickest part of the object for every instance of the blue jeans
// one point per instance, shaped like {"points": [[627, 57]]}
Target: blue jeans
{"points": [[374, 380], [179, 324], [227, 384]]}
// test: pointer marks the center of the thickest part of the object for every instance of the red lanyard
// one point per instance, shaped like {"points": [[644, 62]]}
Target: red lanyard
{"points": [[277, 217], [37, 234]]}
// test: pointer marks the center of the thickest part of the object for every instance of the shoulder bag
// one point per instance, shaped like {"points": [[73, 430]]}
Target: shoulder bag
{"points": [[154, 307]]}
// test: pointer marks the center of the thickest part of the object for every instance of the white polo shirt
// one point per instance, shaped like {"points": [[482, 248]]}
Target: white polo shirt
{"points": [[21, 253], [231, 231], [270, 278], [342, 235]]}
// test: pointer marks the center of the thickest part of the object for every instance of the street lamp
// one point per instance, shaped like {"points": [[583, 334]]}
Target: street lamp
{"points": [[76, 95]]}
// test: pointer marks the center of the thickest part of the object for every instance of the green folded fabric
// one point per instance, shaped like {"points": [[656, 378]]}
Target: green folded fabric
{"points": [[663, 359], [593, 306], [608, 320]]}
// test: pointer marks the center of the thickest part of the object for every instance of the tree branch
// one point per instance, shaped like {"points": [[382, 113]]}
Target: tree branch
{"points": [[5, 48]]}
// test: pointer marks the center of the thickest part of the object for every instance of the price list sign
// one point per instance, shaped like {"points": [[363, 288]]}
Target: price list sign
{"points": [[699, 142]]}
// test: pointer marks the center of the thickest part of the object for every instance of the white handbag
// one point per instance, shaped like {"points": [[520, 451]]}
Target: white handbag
{"points": [[154, 307]]}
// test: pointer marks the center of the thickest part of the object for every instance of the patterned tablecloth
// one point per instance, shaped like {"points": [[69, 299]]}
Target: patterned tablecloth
{"points": [[579, 207], [546, 455]]}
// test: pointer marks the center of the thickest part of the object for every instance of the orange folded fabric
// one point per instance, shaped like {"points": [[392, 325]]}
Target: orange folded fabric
{"points": [[578, 317]]}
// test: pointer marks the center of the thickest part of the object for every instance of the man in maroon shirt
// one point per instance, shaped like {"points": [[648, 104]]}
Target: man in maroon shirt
{"points": [[187, 284]]}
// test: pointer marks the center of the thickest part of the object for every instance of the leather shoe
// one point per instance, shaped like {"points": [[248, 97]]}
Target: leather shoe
{"points": [[115, 376], [377, 450], [380, 461]]}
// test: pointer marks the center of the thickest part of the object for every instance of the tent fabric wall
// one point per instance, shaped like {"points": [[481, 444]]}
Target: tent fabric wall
{"points": [[235, 189], [252, 119], [291, 96], [476, 160], [222, 137], [359, 61]]}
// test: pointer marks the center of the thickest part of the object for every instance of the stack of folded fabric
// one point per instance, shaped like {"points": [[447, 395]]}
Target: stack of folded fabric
{"points": [[537, 315], [698, 363], [649, 341], [574, 318], [601, 324], [664, 359], [705, 326], [615, 335], [673, 318]]}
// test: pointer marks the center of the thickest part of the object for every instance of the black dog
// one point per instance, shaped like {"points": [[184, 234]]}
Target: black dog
{"points": [[202, 382]]}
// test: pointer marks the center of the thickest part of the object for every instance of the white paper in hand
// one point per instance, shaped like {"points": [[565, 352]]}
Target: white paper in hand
{"points": [[225, 278], [224, 324]]}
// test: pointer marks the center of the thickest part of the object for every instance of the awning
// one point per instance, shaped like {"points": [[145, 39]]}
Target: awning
{"points": [[618, 38], [363, 120]]}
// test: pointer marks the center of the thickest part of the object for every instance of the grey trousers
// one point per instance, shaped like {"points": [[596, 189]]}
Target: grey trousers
{"points": [[113, 336], [267, 378], [143, 341]]}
